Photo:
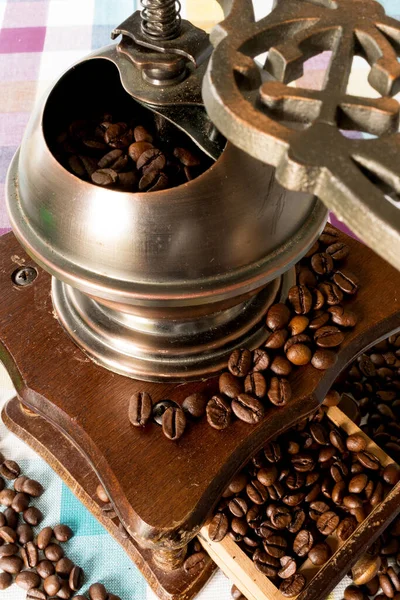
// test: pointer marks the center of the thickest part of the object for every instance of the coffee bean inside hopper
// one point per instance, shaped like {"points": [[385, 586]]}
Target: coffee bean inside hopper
{"points": [[127, 156]]}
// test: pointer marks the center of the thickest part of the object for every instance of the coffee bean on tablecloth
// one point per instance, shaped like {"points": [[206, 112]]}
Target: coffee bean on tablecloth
{"points": [[32, 516], [53, 552], [97, 591]]}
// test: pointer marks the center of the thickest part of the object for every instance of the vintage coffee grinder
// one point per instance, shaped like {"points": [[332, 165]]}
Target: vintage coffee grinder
{"points": [[153, 291]]}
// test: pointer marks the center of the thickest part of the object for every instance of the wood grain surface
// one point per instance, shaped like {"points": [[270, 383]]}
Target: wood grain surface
{"points": [[163, 491]]}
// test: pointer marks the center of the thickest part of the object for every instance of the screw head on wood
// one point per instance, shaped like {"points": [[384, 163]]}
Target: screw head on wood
{"points": [[24, 276]]}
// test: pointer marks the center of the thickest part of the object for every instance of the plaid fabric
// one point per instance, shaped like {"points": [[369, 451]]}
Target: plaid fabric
{"points": [[39, 39]]}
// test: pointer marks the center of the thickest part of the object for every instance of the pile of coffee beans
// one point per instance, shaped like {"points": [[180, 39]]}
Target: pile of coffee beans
{"points": [[373, 380], [308, 328], [312, 482], [124, 155], [37, 564]]}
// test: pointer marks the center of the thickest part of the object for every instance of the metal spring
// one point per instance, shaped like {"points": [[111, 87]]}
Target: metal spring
{"points": [[161, 19]]}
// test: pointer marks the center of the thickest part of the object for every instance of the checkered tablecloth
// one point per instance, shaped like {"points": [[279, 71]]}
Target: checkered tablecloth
{"points": [[39, 39]]}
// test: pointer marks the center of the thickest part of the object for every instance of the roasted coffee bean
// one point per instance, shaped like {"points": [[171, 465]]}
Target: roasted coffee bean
{"points": [[301, 299], [281, 366], [238, 507], [231, 386], [306, 277], [104, 177], [32, 516], [45, 568], [255, 385], [8, 550], [19, 482], [195, 404], [240, 362], [273, 452], [365, 569], [268, 476], [332, 398], [27, 580], [328, 522], [322, 263], [338, 492], [248, 409], [391, 474], [261, 360], [353, 593], [44, 538], [20, 502], [118, 135], [25, 533], [313, 493], [295, 480], [7, 497], [298, 325], [10, 517], [303, 543], [346, 281], [10, 469], [31, 555], [53, 552], [320, 554], [64, 567], [278, 316], [338, 251], [280, 517], [318, 508], [254, 516], [303, 462], [346, 528], [239, 526], [337, 441], [218, 412], [277, 339], [358, 483], [265, 563], [289, 567], [97, 591], [31, 487], [237, 484], [36, 594], [195, 563], [218, 527], [319, 433], [319, 320], [292, 586], [328, 337], [280, 391], [62, 533], [257, 493], [173, 423], [11, 564], [356, 442], [140, 409], [323, 359], [326, 454], [8, 535], [52, 585], [5, 581], [368, 460], [76, 578], [275, 545], [297, 520], [299, 354], [332, 293], [342, 317], [302, 338]]}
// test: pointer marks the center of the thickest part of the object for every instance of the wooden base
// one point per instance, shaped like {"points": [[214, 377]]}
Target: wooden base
{"points": [[75, 471], [162, 491]]}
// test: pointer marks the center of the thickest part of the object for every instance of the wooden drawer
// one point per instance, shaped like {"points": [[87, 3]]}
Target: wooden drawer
{"points": [[320, 580]]}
